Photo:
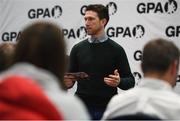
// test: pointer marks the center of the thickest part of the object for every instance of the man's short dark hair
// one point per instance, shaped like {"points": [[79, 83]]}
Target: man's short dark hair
{"points": [[158, 55], [101, 11]]}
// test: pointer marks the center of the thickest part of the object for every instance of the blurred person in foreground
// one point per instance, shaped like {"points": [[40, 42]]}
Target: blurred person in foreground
{"points": [[39, 63], [101, 61], [154, 95], [6, 53]]}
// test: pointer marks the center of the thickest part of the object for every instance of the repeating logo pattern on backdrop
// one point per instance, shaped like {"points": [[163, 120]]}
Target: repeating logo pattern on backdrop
{"points": [[112, 7], [10, 36], [57, 11], [169, 7], [178, 78], [172, 31], [80, 33], [137, 77], [54, 12], [137, 32], [138, 55]]}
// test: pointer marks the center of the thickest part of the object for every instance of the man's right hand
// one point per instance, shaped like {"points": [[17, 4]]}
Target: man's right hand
{"points": [[69, 81], [71, 78]]}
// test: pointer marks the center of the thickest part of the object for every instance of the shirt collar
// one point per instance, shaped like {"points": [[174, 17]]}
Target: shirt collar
{"points": [[155, 84], [100, 39]]}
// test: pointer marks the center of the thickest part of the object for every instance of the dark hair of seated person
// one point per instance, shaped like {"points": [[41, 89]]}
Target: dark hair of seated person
{"points": [[42, 44], [6, 54]]}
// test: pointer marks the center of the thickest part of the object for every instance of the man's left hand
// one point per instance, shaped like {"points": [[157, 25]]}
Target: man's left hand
{"points": [[113, 80]]}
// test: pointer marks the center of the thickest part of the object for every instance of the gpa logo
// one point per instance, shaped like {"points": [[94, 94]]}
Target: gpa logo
{"points": [[80, 33], [57, 11], [10, 36], [138, 55], [112, 8], [178, 78], [83, 9], [137, 32], [137, 77], [169, 7], [54, 12], [172, 31]]}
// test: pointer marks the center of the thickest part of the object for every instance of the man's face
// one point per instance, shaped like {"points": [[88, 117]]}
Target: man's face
{"points": [[93, 24]]}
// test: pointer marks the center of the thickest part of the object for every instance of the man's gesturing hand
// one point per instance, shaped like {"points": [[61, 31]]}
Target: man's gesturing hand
{"points": [[113, 80]]}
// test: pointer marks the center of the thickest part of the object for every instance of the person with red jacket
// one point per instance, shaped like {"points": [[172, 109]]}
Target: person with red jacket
{"points": [[40, 62]]}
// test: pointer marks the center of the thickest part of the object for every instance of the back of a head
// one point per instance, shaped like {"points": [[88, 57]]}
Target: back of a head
{"points": [[158, 54], [43, 44], [6, 53], [101, 10]]}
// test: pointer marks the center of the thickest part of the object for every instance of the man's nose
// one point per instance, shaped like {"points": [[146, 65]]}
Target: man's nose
{"points": [[86, 23]]}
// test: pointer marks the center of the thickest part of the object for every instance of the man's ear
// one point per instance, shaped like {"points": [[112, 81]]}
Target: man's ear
{"points": [[104, 21], [174, 67]]}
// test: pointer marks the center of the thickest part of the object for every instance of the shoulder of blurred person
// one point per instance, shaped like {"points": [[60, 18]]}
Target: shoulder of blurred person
{"points": [[22, 98], [154, 95], [160, 103], [63, 101]]}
